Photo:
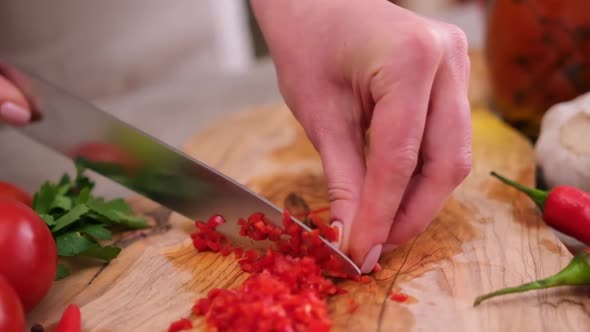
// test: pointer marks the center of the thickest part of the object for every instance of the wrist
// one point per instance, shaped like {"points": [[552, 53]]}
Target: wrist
{"points": [[267, 11], [275, 12]]}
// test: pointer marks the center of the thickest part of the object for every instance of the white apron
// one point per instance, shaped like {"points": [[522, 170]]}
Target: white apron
{"points": [[103, 48]]}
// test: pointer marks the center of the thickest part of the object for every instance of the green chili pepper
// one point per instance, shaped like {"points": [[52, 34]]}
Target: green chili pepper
{"points": [[576, 273]]}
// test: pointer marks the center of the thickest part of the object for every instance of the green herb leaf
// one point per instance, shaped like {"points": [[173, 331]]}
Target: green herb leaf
{"points": [[84, 195], [70, 217], [81, 180], [72, 244], [133, 222], [98, 232], [64, 185], [48, 219], [119, 204], [106, 253], [61, 202], [80, 168], [116, 211], [78, 220], [62, 272], [103, 208], [43, 199]]}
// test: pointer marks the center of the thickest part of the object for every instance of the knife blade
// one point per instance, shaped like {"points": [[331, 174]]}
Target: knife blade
{"points": [[74, 128]]}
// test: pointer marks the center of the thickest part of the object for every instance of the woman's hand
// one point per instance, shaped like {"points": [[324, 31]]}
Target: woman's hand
{"points": [[347, 65], [14, 108]]}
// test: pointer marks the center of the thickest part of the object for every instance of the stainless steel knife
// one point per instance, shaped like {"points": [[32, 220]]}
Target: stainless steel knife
{"points": [[72, 127]]}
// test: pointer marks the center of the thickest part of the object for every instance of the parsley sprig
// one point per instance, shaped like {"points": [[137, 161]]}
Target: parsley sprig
{"points": [[79, 221]]}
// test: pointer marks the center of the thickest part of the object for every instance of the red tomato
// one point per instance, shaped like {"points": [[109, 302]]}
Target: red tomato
{"points": [[9, 190], [105, 153], [29, 254], [12, 316]]}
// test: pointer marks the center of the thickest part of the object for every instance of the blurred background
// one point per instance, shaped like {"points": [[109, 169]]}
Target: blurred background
{"points": [[168, 67]]}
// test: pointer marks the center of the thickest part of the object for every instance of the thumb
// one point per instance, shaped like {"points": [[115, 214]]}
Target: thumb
{"points": [[14, 108], [337, 134]]}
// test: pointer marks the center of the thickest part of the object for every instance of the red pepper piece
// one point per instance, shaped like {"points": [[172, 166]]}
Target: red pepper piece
{"points": [[180, 325], [320, 210], [377, 268], [215, 221], [71, 320], [398, 297], [201, 307], [226, 250], [239, 252], [206, 238], [352, 305], [565, 208], [314, 211], [330, 233], [366, 279]]}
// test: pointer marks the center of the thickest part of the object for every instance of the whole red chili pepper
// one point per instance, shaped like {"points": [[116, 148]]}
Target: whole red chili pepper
{"points": [[565, 208], [70, 320]]}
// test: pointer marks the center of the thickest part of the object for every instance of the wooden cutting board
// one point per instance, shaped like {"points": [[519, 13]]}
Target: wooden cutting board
{"points": [[488, 236]]}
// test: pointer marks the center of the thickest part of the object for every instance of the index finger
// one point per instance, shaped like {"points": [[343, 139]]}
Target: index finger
{"points": [[402, 99], [14, 108]]}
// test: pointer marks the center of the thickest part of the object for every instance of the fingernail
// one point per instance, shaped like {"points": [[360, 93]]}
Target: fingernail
{"points": [[340, 227], [371, 259], [14, 114], [387, 248]]}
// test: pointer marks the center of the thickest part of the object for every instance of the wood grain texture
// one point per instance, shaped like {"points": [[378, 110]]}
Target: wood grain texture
{"points": [[488, 236]]}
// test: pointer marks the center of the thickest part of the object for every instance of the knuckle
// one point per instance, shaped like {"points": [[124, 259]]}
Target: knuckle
{"points": [[341, 191], [462, 170], [424, 48], [403, 161], [320, 132], [459, 168], [457, 39], [457, 51]]}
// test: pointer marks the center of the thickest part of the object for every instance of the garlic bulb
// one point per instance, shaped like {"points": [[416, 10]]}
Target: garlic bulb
{"points": [[562, 149]]}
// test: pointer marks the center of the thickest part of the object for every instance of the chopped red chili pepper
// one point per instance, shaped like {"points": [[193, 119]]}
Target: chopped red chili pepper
{"points": [[366, 279], [314, 211], [225, 251], [180, 325], [71, 320], [215, 221], [206, 237], [352, 305], [377, 268], [239, 252], [287, 288], [265, 302], [398, 297], [330, 233]]}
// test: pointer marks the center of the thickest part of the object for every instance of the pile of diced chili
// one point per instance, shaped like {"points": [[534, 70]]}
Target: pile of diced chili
{"points": [[288, 284]]}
